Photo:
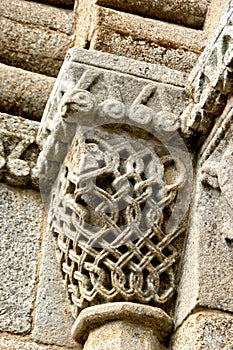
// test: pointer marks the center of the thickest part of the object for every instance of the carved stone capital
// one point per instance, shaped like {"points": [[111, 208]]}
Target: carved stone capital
{"points": [[116, 178]]}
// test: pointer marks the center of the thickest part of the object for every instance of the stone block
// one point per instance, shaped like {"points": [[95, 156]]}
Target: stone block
{"points": [[33, 36], [158, 32], [52, 312], [24, 93], [121, 33], [38, 14], [111, 41], [215, 13], [9, 342], [209, 330], [207, 267], [20, 227], [18, 151], [129, 66], [190, 14], [109, 76]]}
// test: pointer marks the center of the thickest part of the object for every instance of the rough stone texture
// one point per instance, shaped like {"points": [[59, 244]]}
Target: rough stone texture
{"points": [[23, 93], [139, 69], [9, 342], [107, 40], [149, 30], [18, 151], [207, 273], [132, 316], [119, 335], [33, 36], [37, 14], [52, 318], [215, 13], [105, 83], [210, 82], [207, 330], [188, 13], [116, 32], [20, 226]]}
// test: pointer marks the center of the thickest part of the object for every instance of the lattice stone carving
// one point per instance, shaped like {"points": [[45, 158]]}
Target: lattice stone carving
{"points": [[116, 178], [111, 200]]}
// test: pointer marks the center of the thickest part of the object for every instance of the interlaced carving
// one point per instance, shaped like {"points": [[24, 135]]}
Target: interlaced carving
{"points": [[110, 207], [112, 174]]}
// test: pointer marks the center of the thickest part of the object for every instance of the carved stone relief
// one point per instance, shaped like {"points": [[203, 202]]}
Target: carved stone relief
{"points": [[207, 266], [217, 162], [211, 81], [18, 151], [111, 199], [114, 170], [116, 178]]}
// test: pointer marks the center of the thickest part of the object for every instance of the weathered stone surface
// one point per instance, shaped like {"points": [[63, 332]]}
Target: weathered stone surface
{"points": [[215, 13], [23, 93], [18, 151], [104, 82], [34, 13], [118, 335], [157, 32], [210, 82], [132, 316], [188, 13], [116, 32], [122, 64], [52, 312], [20, 226], [207, 273], [9, 342], [207, 330], [104, 85], [110, 41], [34, 36]]}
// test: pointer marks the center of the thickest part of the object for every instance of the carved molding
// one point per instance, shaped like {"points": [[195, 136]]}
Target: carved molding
{"points": [[156, 320], [216, 157], [211, 81]]}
